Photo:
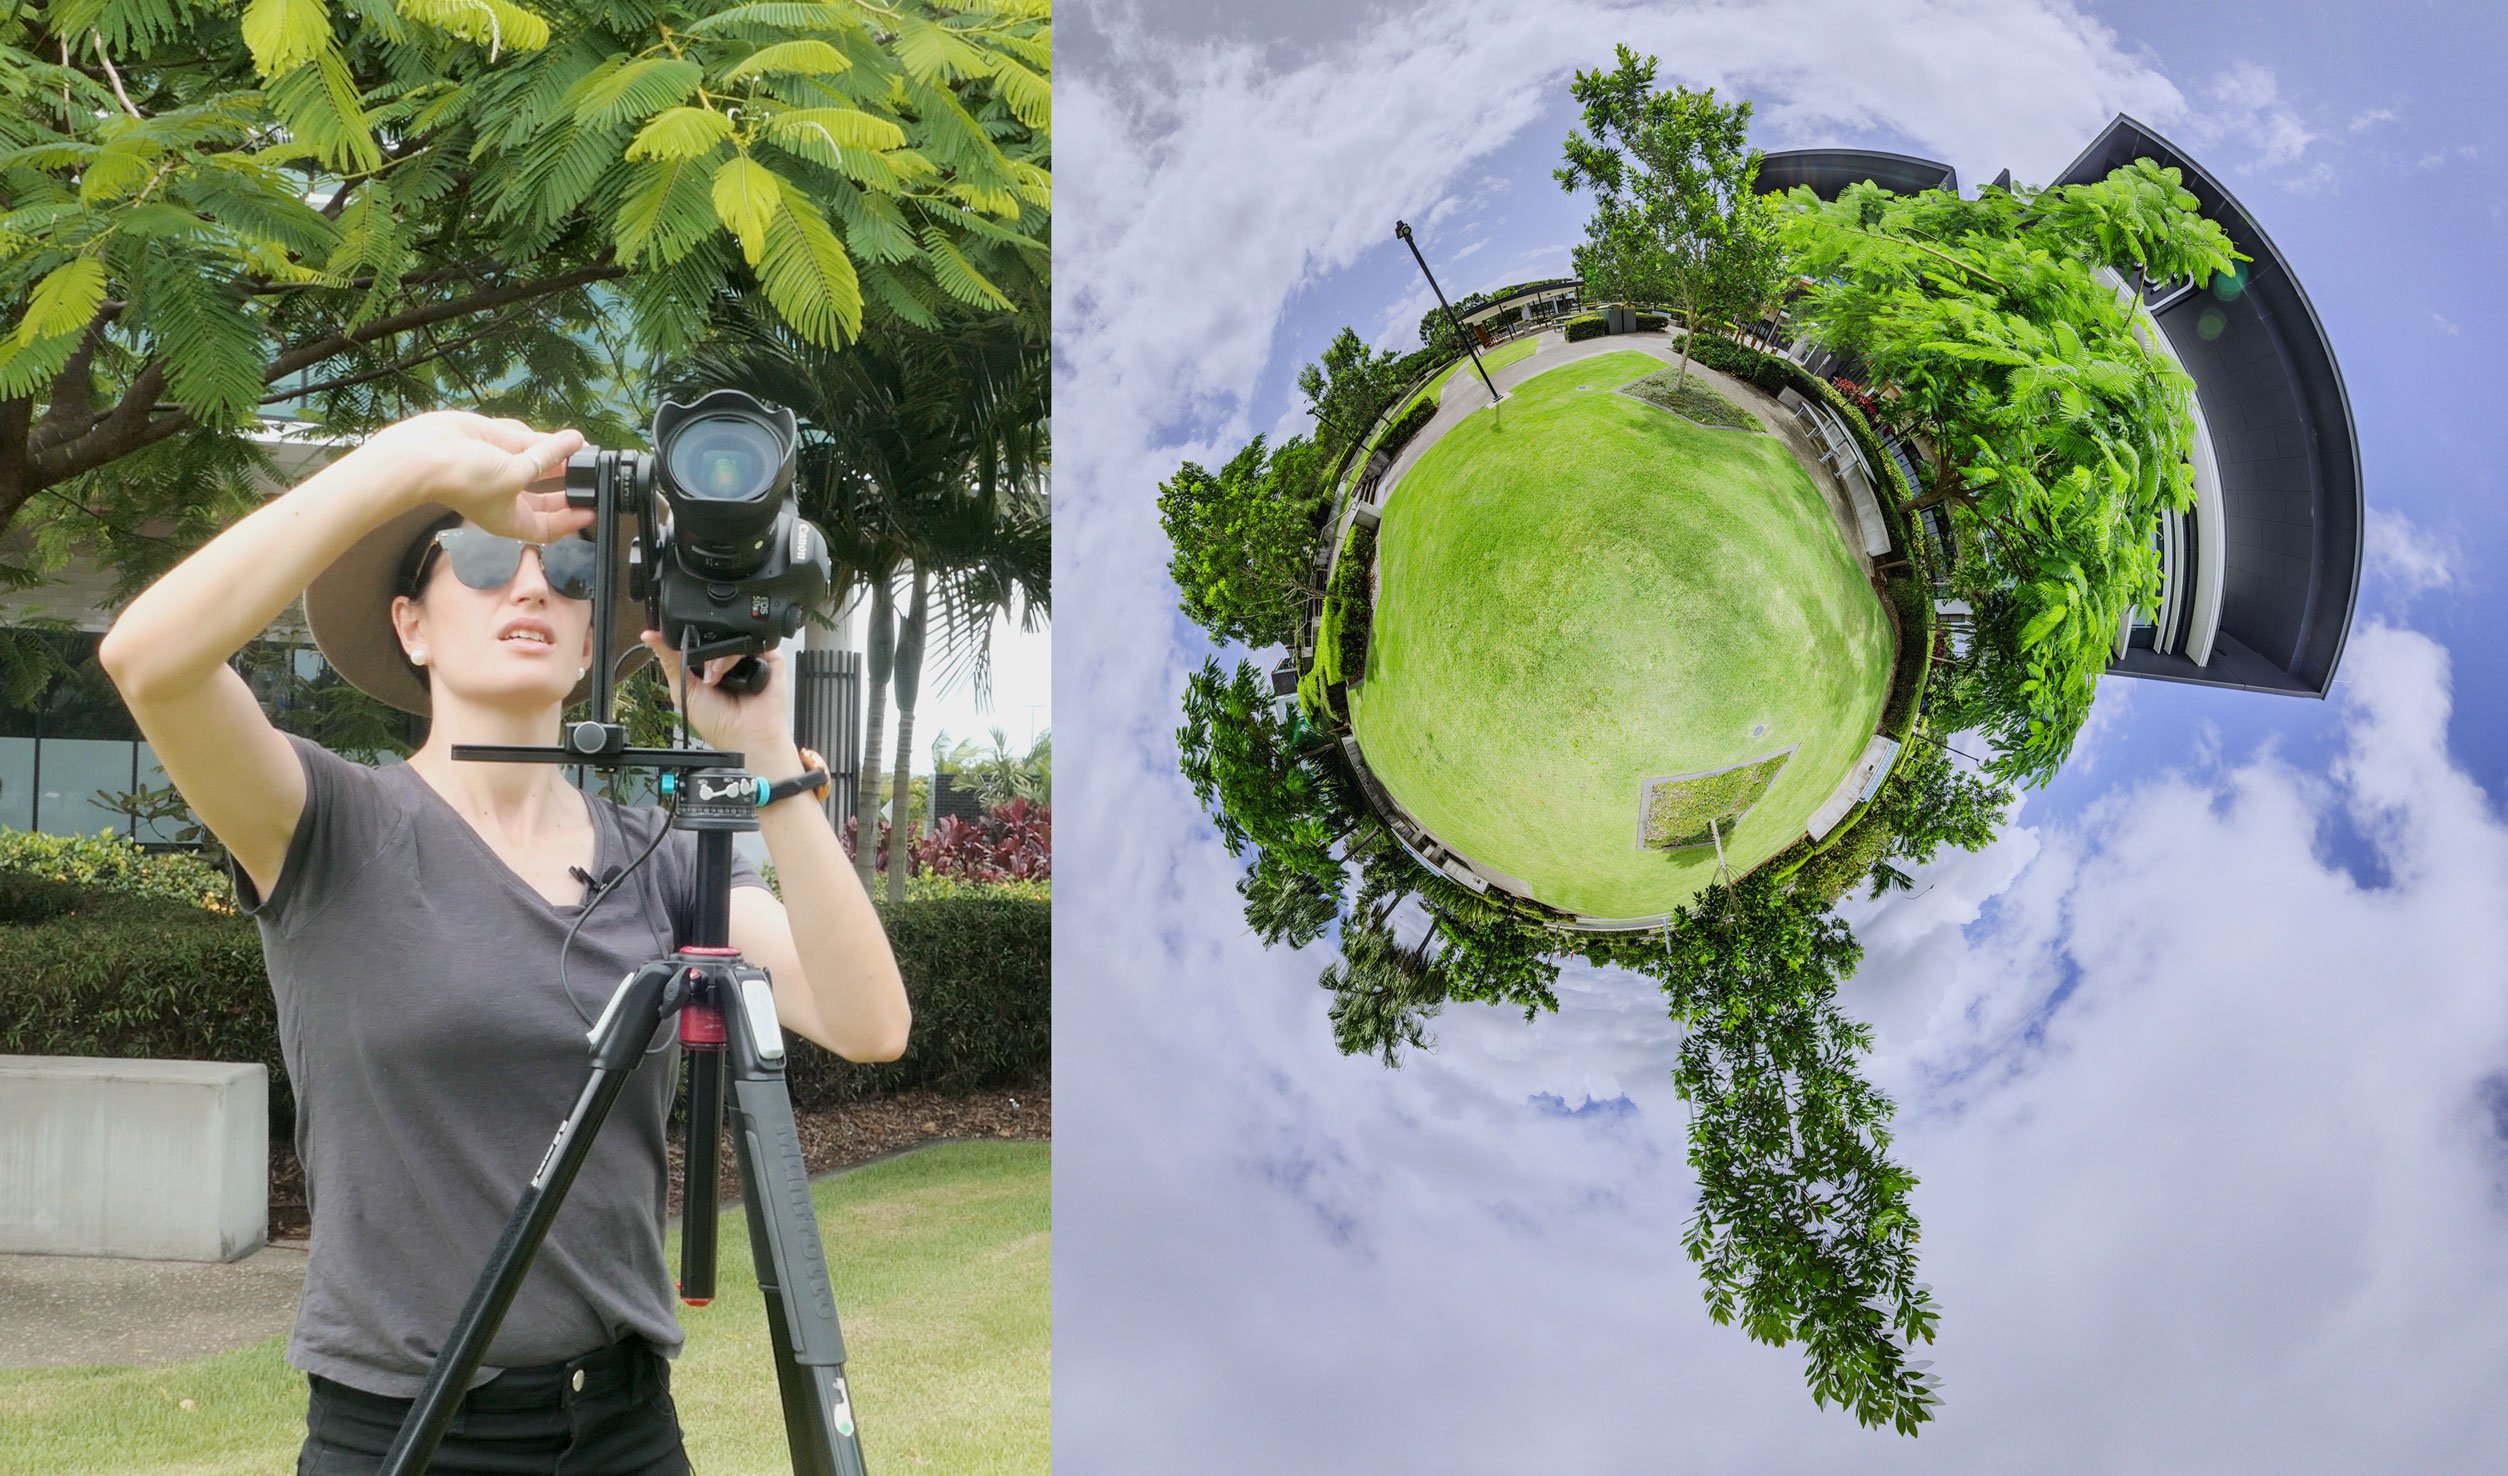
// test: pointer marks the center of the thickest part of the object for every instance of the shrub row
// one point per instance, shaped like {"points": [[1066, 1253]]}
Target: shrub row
{"points": [[1584, 326], [1725, 354], [1353, 597], [1406, 425], [1651, 322], [117, 864], [148, 978], [1912, 598], [979, 974]]}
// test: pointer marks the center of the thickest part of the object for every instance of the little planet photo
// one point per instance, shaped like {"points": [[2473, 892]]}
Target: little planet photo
{"points": [[1642, 615]]}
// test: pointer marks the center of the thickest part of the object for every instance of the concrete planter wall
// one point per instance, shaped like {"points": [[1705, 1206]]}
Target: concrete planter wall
{"points": [[158, 1160]]}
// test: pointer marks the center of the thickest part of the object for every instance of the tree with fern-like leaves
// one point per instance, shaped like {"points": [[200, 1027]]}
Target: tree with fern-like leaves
{"points": [[211, 213]]}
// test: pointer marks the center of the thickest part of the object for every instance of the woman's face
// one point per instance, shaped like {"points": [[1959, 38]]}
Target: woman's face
{"points": [[520, 645]]}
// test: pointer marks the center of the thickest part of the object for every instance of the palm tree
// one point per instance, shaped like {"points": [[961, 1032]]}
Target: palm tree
{"points": [[922, 455], [1384, 991]]}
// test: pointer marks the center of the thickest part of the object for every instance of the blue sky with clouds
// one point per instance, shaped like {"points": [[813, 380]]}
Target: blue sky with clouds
{"points": [[2204, 1063]]}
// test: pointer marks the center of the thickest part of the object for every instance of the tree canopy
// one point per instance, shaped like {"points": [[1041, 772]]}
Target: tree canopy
{"points": [[364, 211], [1803, 1231], [2058, 426], [1242, 539], [1676, 219]]}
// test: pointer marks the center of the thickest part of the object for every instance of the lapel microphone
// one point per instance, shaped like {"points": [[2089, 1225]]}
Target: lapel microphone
{"points": [[594, 886]]}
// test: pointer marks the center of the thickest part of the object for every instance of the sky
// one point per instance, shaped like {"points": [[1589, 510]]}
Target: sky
{"points": [[2203, 1063]]}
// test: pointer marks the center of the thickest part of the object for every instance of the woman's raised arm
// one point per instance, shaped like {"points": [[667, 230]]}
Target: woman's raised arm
{"points": [[169, 649]]}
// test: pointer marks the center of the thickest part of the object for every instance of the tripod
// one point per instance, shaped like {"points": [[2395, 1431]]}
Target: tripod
{"points": [[727, 1024], [726, 1020]]}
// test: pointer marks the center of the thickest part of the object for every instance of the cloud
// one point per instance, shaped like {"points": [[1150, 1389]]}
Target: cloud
{"points": [[2248, 105], [2413, 560], [2368, 118], [2444, 324]]}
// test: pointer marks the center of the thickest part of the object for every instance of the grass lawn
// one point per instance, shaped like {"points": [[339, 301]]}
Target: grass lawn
{"points": [[941, 1264], [1513, 351], [1582, 593]]}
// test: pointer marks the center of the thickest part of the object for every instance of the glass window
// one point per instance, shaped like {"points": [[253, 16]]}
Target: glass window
{"points": [[17, 783], [74, 769], [83, 702], [157, 832]]}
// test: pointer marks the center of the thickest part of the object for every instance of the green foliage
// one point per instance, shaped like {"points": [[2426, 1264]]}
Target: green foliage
{"points": [[978, 972], [1803, 1231], [1260, 786], [1406, 425], [115, 864], [1243, 539], [1675, 217], [145, 976], [1349, 388], [26, 897], [1384, 993], [1351, 601], [1848, 858], [1929, 802], [1584, 326], [1912, 599], [2064, 427], [1725, 354], [931, 886], [997, 774], [362, 211]]}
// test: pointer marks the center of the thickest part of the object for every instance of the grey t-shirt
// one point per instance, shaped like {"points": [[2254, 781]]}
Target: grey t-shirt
{"points": [[434, 1055]]}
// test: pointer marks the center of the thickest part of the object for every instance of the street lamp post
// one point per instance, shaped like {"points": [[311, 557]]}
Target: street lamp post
{"points": [[1403, 230]]}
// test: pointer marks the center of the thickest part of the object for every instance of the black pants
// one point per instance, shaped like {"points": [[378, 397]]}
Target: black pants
{"points": [[607, 1413]]}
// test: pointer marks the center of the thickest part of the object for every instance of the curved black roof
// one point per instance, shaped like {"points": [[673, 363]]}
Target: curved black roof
{"points": [[1830, 171], [2282, 434]]}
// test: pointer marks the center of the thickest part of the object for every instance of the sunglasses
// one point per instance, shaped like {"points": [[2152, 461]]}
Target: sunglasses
{"points": [[487, 561]]}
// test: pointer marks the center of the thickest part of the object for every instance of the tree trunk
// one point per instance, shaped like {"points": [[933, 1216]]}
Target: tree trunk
{"points": [[1689, 325], [1946, 488], [909, 688], [879, 654]]}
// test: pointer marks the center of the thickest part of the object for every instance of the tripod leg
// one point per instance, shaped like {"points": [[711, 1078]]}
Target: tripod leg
{"points": [[784, 1242], [618, 1046]]}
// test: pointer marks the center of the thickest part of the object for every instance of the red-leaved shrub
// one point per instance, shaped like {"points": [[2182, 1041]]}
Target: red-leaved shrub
{"points": [[1012, 842]]}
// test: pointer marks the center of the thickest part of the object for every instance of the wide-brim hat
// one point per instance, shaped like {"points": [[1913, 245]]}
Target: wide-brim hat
{"points": [[349, 608]]}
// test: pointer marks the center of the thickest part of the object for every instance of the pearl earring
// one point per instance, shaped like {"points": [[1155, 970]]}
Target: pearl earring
{"points": [[418, 658]]}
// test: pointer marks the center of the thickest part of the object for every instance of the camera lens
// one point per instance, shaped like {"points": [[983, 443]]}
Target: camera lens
{"points": [[723, 458]]}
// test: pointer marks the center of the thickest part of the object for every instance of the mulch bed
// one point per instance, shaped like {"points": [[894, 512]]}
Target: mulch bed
{"points": [[831, 1139]]}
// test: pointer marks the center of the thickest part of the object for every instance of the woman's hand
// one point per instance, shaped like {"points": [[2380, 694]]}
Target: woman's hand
{"points": [[753, 725], [501, 474]]}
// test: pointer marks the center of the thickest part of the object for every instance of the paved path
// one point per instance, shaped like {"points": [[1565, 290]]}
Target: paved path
{"points": [[61, 1311], [75, 1311]]}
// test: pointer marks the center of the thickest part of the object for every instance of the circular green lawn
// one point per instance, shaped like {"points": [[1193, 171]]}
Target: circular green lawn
{"points": [[1583, 592]]}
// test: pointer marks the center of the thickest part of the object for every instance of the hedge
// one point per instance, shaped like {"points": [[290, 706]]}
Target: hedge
{"points": [[1913, 599], [149, 978], [117, 864], [1351, 595], [1651, 322], [1584, 326], [1724, 354], [1406, 425]]}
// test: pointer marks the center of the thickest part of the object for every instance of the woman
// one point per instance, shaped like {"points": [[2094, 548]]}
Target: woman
{"points": [[413, 917]]}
